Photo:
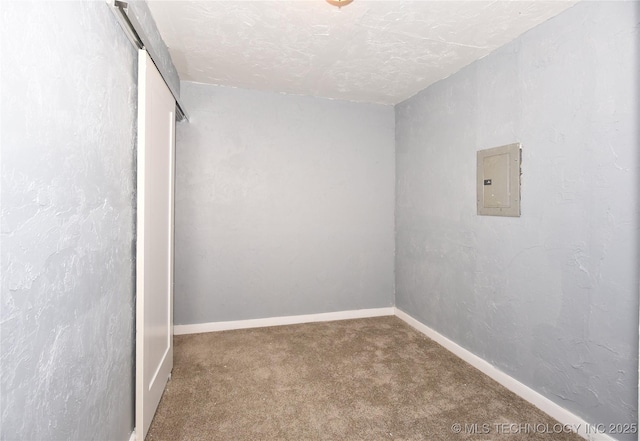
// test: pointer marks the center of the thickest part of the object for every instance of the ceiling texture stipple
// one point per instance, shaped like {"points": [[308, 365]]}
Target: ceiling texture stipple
{"points": [[369, 51]]}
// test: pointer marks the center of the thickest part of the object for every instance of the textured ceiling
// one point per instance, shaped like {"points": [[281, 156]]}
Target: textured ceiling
{"points": [[371, 51]]}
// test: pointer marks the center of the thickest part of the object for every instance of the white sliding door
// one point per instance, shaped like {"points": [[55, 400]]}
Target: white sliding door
{"points": [[154, 266]]}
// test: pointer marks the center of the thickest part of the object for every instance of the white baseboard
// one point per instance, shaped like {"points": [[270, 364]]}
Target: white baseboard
{"points": [[278, 321], [133, 435], [552, 409]]}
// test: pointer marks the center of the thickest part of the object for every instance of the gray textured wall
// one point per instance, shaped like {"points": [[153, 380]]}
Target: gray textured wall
{"points": [[284, 205], [67, 136], [551, 298]]}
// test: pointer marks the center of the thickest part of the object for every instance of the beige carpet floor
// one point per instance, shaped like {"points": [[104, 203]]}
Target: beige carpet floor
{"points": [[365, 379]]}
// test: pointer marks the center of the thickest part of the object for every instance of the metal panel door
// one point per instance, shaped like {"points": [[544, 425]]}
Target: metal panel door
{"points": [[154, 277]]}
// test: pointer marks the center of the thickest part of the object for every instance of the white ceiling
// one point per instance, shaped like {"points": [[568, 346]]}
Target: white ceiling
{"points": [[371, 50]]}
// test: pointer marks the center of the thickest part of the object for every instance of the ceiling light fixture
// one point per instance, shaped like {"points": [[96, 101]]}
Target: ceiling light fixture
{"points": [[339, 3]]}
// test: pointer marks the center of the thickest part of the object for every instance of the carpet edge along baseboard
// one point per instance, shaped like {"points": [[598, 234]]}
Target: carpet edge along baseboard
{"points": [[283, 320]]}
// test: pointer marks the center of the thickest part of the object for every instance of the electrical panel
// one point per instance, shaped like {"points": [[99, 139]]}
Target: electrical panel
{"points": [[498, 180]]}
